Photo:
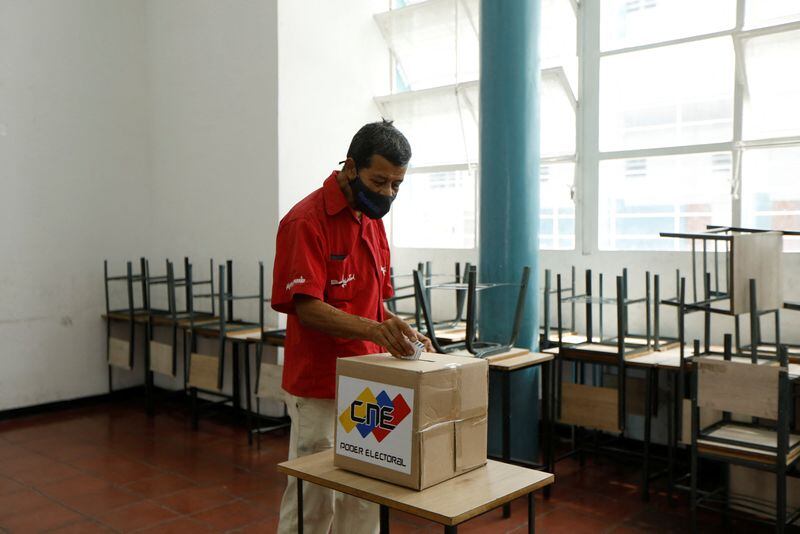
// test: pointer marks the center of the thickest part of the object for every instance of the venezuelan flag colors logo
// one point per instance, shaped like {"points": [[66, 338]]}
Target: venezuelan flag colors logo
{"points": [[376, 415]]}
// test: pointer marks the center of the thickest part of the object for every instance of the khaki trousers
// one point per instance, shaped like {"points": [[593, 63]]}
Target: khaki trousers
{"points": [[312, 431]]}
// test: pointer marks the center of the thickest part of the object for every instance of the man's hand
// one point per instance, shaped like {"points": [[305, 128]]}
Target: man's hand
{"points": [[394, 334], [390, 334]]}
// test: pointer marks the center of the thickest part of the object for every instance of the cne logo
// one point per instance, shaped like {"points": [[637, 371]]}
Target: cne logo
{"points": [[374, 415]]}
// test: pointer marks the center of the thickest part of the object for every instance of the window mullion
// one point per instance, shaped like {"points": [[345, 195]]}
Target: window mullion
{"points": [[588, 127], [738, 111]]}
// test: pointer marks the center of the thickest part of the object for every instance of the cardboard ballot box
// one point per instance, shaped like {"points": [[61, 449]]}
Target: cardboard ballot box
{"points": [[411, 422]]}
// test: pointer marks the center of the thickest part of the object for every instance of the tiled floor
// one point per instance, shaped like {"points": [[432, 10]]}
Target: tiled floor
{"points": [[110, 468]]}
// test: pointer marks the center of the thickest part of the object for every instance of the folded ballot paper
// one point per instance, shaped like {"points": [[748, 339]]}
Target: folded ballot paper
{"points": [[411, 422], [418, 348]]}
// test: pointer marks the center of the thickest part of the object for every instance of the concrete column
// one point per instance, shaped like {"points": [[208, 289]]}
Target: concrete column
{"points": [[509, 196]]}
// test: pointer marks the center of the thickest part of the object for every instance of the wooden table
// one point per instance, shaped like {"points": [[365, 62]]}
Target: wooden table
{"points": [[505, 363], [450, 503], [516, 360]]}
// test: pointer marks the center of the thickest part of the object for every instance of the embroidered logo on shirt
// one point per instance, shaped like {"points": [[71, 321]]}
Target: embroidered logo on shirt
{"points": [[296, 281], [344, 281], [383, 270]]}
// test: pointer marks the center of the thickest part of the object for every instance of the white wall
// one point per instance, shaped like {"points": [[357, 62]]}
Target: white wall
{"points": [[127, 129], [213, 80], [214, 144], [136, 128], [75, 174], [332, 61]]}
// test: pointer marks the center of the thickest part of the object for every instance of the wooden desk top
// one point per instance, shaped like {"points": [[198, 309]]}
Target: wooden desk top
{"points": [[236, 329], [449, 503], [575, 339], [253, 335], [512, 359], [244, 335], [138, 317], [184, 322], [521, 362], [658, 358], [571, 337], [517, 359], [452, 335], [794, 371]]}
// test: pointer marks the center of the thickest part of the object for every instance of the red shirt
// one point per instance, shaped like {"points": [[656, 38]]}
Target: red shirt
{"points": [[324, 251]]}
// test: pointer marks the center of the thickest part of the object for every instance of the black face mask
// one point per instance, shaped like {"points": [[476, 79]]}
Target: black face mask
{"points": [[372, 204]]}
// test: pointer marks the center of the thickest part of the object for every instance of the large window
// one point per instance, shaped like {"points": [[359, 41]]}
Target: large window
{"points": [[699, 118], [689, 115], [435, 66]]}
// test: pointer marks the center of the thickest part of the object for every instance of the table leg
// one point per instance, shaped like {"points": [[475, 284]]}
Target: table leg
{"points": [[546, 427], [384, 511], [299, 506], [531, 514], [506, 392], [195, 407], [247, 400], [186, 351], [450, 529], [648, 421], [671, 432], [148, 374], [237, 401]]}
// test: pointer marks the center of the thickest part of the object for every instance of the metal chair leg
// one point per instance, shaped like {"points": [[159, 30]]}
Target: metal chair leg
{"points": [[195, 415], [248, 399], [648, 422]]}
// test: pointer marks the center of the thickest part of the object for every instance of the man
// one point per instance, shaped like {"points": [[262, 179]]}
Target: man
{"points": [[331, 277]]}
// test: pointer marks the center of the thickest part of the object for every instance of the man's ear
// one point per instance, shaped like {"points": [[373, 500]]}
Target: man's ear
{"points": [[349, 169]]}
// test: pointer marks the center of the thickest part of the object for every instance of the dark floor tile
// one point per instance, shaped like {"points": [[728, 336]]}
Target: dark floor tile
{"points": [[270, 524], [44, 473], [74, 487], [47, 517], [651, 519], [8, 451], [400, 527], [21, 502], [38, 428], [181, 525], [159, 485], [136, 516], [563, 520], [24, 461], [596, 503], [242, 484], [65, 452], [8, 486], [269, 499], [85, 526], [194, 500], [232, 515], [625, 529], [115, 468], [98, 502]]}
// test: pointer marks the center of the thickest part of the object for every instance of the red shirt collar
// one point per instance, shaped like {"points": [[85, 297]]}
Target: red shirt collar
{"points": [[335, 200]]}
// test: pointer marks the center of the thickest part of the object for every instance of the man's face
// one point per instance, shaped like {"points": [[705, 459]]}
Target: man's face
{"points": [[381, 176]]}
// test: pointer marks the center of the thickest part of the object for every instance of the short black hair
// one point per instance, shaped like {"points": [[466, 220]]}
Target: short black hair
{"points": [[382, 139]]}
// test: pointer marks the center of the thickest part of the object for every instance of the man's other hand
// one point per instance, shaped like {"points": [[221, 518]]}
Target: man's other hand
{"points": [[393, 334]]}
